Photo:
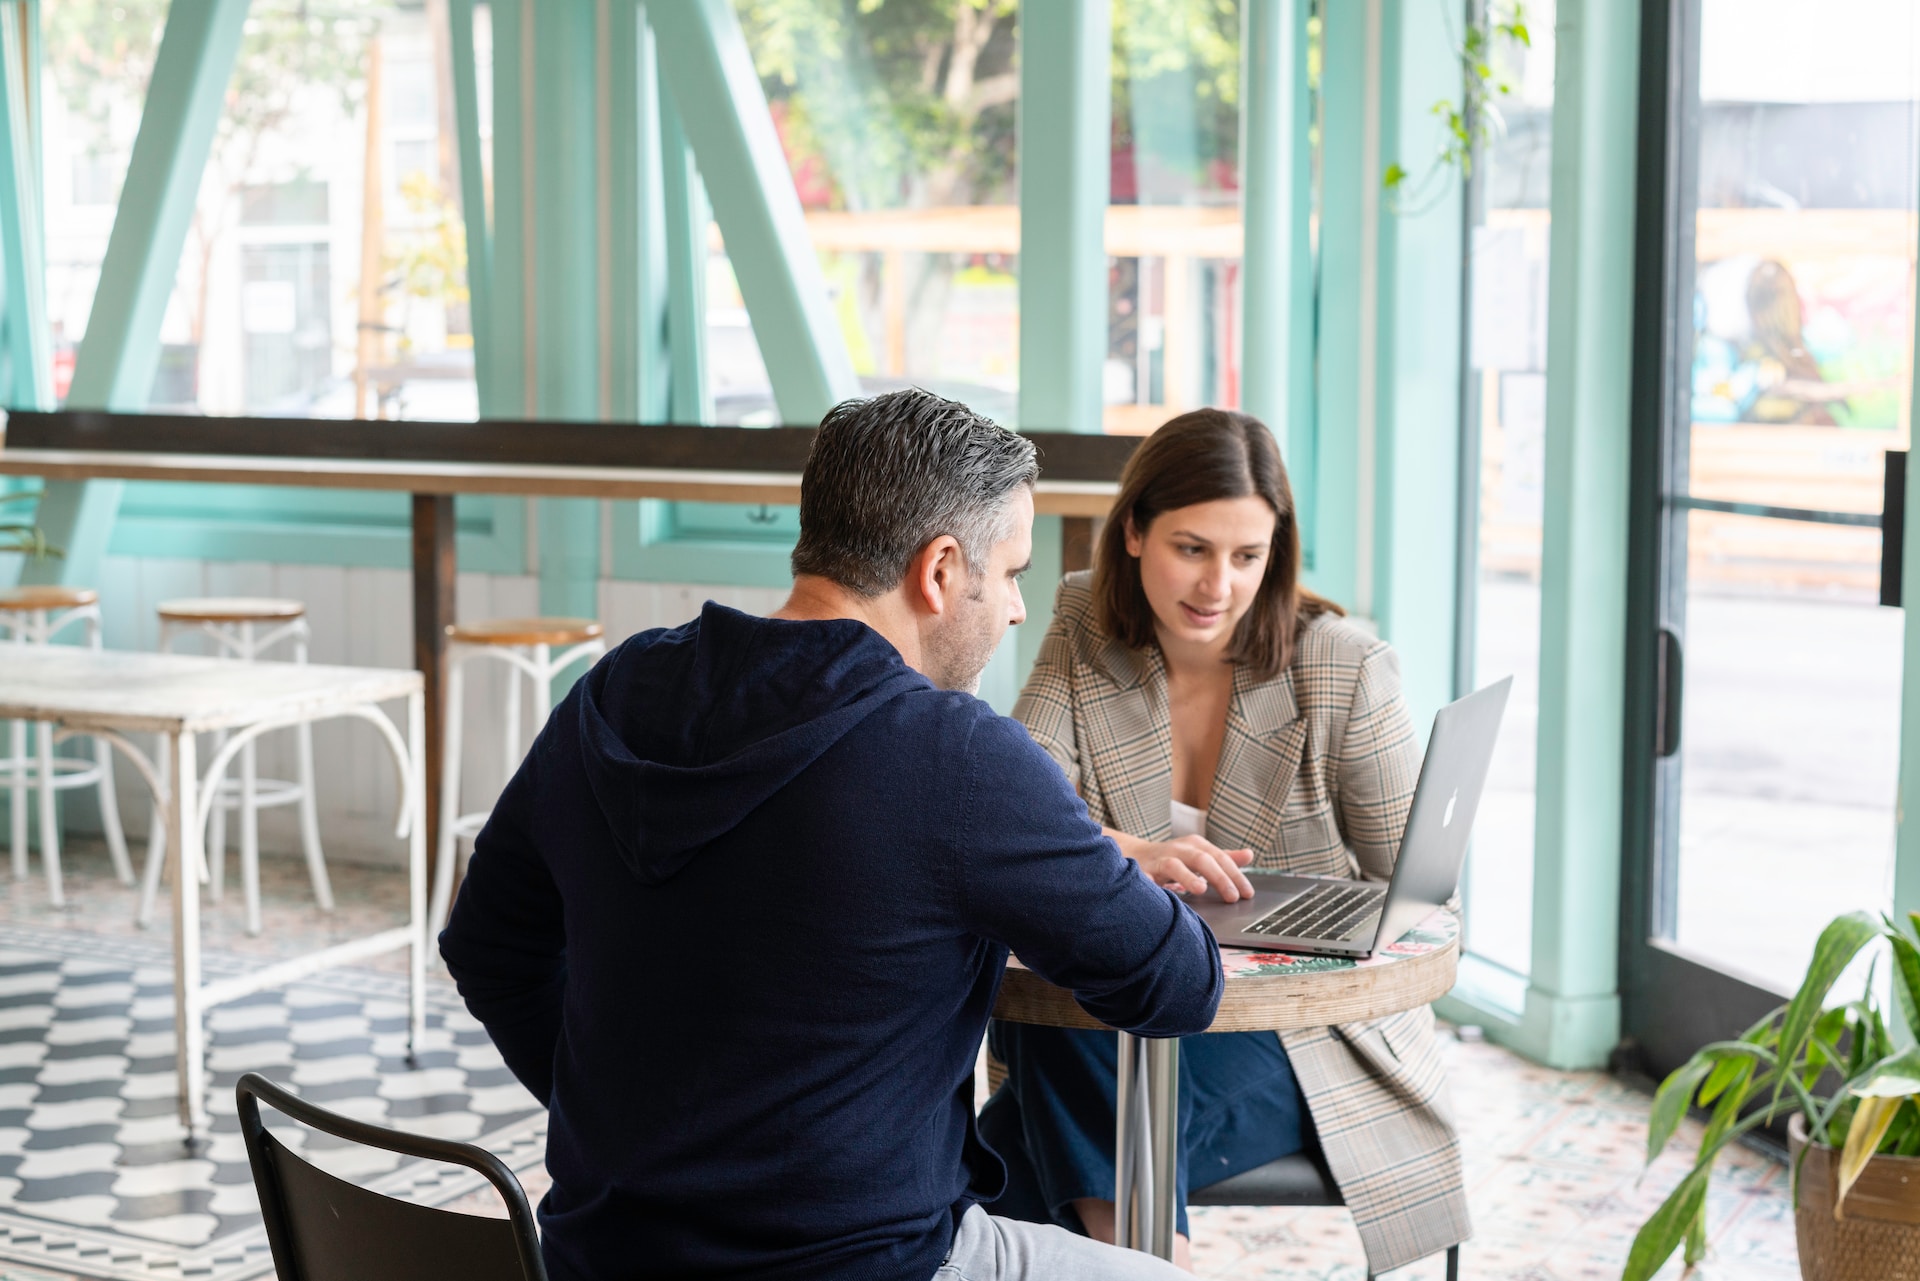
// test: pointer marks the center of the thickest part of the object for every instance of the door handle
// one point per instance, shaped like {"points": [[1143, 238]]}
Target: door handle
{"points": [[1671, 668]]}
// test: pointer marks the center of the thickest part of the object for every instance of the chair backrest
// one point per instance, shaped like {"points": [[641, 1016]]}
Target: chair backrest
{"points": [[325, 1229]]}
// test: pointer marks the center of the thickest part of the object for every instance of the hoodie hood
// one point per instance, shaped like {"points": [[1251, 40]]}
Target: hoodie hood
{"points": [[685, 732]]}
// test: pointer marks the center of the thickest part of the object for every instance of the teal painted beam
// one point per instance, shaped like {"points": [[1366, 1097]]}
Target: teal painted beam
{"points": [[1270, 64], [1065, 125], [1419, 346], [684, 198], [707, 68], [637, 260], [22, 227], [509, 321], [1572, 1016], [473, 199], [1276, 196], [115, 365], [563, 171], [567, 337], [1349, 209]]}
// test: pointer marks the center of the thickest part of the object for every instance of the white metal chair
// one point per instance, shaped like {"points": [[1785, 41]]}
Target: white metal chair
{"points": [[526, 646], [244, 628], [36, 616]]}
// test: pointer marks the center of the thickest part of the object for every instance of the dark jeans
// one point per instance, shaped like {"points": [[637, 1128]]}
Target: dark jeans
{"points": [[1053, 1120]]}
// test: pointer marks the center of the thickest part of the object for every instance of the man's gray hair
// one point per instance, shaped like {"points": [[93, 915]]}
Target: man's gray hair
{"points": [[889, 475]]}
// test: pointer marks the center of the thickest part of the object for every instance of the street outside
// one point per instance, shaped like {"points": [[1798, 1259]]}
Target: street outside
{"points": [[1789, 760]]}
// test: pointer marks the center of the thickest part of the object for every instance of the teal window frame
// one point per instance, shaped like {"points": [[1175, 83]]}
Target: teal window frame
{"points": [[363, 529], [710, 544]]}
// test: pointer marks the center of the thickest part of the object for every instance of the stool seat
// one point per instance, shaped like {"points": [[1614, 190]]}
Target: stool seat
{"points": [[1292, 1180], [230, 609], [22, 599], [526, 631]]}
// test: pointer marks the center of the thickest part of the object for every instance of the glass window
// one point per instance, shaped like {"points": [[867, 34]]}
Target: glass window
{"points": [[265, 317], [898, 123], [1173, 229], [1802, 307], [1506, 397]]}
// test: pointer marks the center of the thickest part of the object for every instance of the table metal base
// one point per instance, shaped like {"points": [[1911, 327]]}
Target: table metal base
{"points": [[1146, 1144]]}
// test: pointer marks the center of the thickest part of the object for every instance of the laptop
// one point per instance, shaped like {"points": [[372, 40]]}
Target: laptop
{"points": [[1334, 916]]}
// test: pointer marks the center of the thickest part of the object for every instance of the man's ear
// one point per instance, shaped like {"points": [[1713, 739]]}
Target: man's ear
{"points": [[937, 575]]}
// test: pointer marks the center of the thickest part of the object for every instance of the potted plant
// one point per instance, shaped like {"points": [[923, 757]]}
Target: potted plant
{"points": [[1855, 1148]]}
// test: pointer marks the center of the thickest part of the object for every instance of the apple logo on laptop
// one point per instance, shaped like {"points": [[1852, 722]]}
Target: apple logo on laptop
{"points": [[1447, 817]]}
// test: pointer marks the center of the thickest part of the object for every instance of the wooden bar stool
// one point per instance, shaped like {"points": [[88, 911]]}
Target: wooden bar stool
{"points": [[244, 628], [527, 647], [35, 616]]}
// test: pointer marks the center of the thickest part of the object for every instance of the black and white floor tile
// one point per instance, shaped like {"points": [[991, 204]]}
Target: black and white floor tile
{"points": [[96, 1177]]}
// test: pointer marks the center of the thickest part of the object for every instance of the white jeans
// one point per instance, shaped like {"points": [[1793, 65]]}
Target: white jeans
{"points": [[990, 1249]]}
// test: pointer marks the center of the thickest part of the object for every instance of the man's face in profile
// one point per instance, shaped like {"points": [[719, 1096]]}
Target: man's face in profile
{"points": [[963, 642]]}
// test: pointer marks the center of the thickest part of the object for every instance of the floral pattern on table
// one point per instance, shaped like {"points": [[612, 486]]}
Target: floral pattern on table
{"points": [[1438, 931]]}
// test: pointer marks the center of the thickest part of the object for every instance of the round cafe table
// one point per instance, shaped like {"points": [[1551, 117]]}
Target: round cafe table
{"points": [[1265, 992]]}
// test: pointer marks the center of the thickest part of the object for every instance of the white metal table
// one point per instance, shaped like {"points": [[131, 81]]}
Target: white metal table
{"points": [[111, 694]]}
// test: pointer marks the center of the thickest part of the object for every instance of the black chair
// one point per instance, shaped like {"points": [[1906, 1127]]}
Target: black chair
{"points": [[1301, 1179], [325, 1229]]}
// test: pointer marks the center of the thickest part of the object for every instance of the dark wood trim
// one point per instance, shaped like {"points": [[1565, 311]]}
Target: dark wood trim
{"points": [[1063, 455], [433, 612]]}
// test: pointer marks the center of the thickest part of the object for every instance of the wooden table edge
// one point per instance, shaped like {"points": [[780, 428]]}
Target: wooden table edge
{"points": [[1051, 497], [1268, 1003]]}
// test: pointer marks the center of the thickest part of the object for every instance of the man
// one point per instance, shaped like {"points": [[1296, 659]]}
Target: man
{"points": [[740, 917]]}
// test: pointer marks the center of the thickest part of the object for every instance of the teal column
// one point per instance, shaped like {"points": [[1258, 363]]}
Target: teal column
{"points": [[707, 67], [1572, 1015], [1276, 195], [22, 239], [509, 320], [473, 199], [569, 96], [637, 262], [1065, 123], [1350, 172], [115, 365], [1418, 344], [687, 217]]}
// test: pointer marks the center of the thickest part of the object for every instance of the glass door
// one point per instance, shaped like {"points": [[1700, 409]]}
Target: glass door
{"points": [[1778, 180]]}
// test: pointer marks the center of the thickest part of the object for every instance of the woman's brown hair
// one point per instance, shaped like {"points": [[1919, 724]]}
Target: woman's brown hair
{"points": [[1202, 457]]}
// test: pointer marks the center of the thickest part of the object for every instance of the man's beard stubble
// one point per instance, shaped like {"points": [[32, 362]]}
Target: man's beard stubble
{"points": [[958, 652]]}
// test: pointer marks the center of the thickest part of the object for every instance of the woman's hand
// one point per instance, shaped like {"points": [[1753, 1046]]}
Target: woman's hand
{"points": [[1190, 863]]}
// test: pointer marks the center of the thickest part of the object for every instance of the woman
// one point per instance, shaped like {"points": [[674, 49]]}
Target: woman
{"points": [[1212, 713]]}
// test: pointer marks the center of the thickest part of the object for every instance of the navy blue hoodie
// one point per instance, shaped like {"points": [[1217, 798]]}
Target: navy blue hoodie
{"points": [[739, 920]]}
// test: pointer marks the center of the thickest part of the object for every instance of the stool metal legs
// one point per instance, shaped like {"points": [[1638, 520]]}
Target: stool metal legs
{"points": [[535, 664], [39, 768]]}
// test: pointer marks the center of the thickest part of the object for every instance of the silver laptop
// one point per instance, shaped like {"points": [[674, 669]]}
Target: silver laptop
{"points": [[1333, 916]]}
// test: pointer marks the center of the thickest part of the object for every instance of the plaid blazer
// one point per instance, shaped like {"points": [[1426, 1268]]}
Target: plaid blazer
{"points": [[1316, 775]]}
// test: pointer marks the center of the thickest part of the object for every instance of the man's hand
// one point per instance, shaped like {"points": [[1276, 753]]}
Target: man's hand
{"points": [[1193, 863]]}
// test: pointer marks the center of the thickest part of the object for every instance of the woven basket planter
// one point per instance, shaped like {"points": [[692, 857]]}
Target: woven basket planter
{"points": [[1879, 1240]]}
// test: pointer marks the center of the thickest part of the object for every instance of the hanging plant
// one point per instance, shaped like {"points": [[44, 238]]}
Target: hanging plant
{"points": [[1472, 122]]}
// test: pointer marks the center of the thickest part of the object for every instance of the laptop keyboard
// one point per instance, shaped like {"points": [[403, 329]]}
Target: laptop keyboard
{"points": [[1333, 912]]}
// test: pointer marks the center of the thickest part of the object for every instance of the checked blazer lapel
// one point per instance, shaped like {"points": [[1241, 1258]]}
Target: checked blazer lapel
{"points": [[1131, 737], [1260, 754]]}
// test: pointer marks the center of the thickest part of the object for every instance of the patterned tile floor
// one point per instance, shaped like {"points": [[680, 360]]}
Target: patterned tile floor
{"points": [[1553, 1159]]}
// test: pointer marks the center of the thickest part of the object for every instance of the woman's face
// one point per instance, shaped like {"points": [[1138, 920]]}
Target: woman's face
{"points": [[1201, 567]]}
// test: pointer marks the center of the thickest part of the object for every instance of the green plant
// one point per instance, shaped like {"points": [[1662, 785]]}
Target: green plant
{"points": [[20, 536], [1776, 1068], [1474, 120]]}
